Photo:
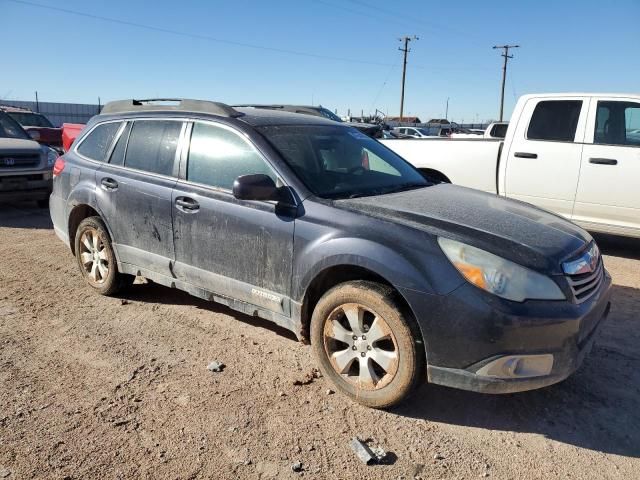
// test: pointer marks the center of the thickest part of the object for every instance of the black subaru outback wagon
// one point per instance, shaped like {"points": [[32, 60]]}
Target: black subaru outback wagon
{"points": [[325, 231]]}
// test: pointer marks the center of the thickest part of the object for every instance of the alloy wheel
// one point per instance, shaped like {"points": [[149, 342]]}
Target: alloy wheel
{"points": [[93, 256], [360, 346]]}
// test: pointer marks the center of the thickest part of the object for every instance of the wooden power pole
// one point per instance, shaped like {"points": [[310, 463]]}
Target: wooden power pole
{"points": [[506, 56], [406, 49]]}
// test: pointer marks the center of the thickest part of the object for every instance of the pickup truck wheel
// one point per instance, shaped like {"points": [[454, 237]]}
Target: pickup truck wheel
{"points": [[365, 345], [96, 258]]}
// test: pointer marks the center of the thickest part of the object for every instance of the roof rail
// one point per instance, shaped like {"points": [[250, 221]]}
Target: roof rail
{"points": [[170, 104]]}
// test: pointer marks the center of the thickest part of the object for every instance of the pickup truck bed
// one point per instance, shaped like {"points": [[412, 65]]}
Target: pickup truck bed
{"points": [[440, 157]]}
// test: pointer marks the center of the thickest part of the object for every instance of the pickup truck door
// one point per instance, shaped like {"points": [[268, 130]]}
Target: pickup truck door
{"points": [[543, 159], [607, 198], [237, 249]]}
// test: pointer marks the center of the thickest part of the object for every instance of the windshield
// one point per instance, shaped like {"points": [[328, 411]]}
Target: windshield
{"points": [[9, 128], [341, 162], [30, 119], [330, 115]]}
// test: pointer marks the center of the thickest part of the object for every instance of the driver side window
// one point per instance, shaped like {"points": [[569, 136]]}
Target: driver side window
{"points": [[217, 156]]}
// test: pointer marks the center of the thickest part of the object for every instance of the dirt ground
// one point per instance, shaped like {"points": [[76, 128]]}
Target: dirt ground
{"points": [[96, 387]]}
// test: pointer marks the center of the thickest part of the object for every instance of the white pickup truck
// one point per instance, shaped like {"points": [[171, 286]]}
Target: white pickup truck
{"points": [[575, 154]]}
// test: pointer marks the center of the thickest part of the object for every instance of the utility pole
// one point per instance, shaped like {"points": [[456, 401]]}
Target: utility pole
{"points": [[446, 115], [406, 49], [504, 71]]}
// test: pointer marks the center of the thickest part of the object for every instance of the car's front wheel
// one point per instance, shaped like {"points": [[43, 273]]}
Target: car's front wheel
{"points": [[365, 343], [96, 258]]}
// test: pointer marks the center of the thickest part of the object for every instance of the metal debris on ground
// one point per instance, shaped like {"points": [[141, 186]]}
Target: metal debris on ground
{"points": [[216, 366], [363, 451]]}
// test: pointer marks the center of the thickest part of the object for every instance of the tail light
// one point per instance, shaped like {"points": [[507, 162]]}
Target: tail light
{"points": [[58, 167]]}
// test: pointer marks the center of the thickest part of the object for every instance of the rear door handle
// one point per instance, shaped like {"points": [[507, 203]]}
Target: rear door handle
{"points": [[186, 203], [603, 161], [109, 183], [525, 155]]}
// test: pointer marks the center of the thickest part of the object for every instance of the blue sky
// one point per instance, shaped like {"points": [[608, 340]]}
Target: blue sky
{"points": [[348, 59]]}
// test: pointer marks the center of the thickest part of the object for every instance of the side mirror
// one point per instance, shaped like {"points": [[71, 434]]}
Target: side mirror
{"points": [[255, 187]]}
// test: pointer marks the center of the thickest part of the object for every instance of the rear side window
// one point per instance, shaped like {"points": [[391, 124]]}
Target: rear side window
{"points": [[96, 144], [218, 156], [617, 123], [499, 131], [555, 120], [152, 146]]}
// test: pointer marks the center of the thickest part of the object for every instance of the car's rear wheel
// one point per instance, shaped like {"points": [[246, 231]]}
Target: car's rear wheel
{"points": [[96, 258], [366, 344]]}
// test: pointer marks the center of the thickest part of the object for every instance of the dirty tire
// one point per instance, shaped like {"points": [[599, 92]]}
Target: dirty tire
{"points": [[111, 281], [401, 374]]}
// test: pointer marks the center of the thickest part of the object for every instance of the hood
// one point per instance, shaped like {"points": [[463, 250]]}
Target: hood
{"points": [[18, 146], [511, 229]]}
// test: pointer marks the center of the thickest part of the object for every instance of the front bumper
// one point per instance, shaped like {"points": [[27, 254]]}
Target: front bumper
{"points": [[468, 329], [25, 185]]}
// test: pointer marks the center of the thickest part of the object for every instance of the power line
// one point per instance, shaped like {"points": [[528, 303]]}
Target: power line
{"points": [[358, 12], [421, 22], [383, 85], [406, 39], [194, 35], [215, 39], [506, 56]]}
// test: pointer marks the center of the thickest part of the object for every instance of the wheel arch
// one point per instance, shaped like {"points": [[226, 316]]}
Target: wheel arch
{"points": [[339, 273]]}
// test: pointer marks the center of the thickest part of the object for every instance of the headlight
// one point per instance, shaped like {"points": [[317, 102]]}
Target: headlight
{"points": [[52, 156], [499, 276]]}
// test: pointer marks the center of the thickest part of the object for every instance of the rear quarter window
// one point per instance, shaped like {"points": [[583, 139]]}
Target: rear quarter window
{"points": [[96, 144]]}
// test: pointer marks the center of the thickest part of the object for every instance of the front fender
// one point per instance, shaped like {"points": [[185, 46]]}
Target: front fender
{"points": [[396, 269]]}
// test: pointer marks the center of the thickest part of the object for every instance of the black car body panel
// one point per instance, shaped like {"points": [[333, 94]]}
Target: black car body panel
{"points": [[263, 257], [515, 230]]}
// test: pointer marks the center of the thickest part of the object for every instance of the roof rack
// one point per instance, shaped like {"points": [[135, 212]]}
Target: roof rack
{"points": [[170, 104]]}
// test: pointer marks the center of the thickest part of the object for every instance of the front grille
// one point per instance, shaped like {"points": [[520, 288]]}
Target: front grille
{"points": [[19, 161], [585, 285]]}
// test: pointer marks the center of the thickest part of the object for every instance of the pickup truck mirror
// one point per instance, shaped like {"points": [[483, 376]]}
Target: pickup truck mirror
{"points": [[255, 187]]}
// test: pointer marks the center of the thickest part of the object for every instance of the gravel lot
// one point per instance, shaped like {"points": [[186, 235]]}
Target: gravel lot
{"points": [[96, 387]]}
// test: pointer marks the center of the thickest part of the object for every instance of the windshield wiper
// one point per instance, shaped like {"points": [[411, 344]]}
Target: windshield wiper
{"points": [[404, 187]]}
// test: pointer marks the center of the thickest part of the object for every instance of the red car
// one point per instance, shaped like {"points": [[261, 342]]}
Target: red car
{"points": [[36, 125]]}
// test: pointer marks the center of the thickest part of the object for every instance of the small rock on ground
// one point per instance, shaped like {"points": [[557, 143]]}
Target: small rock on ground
{"points": [[215, 366]]}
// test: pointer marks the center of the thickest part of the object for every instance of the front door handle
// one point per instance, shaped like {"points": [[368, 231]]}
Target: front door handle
{"points": [[186, 203], [525, 155], [109, 183], [603, 161]]}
